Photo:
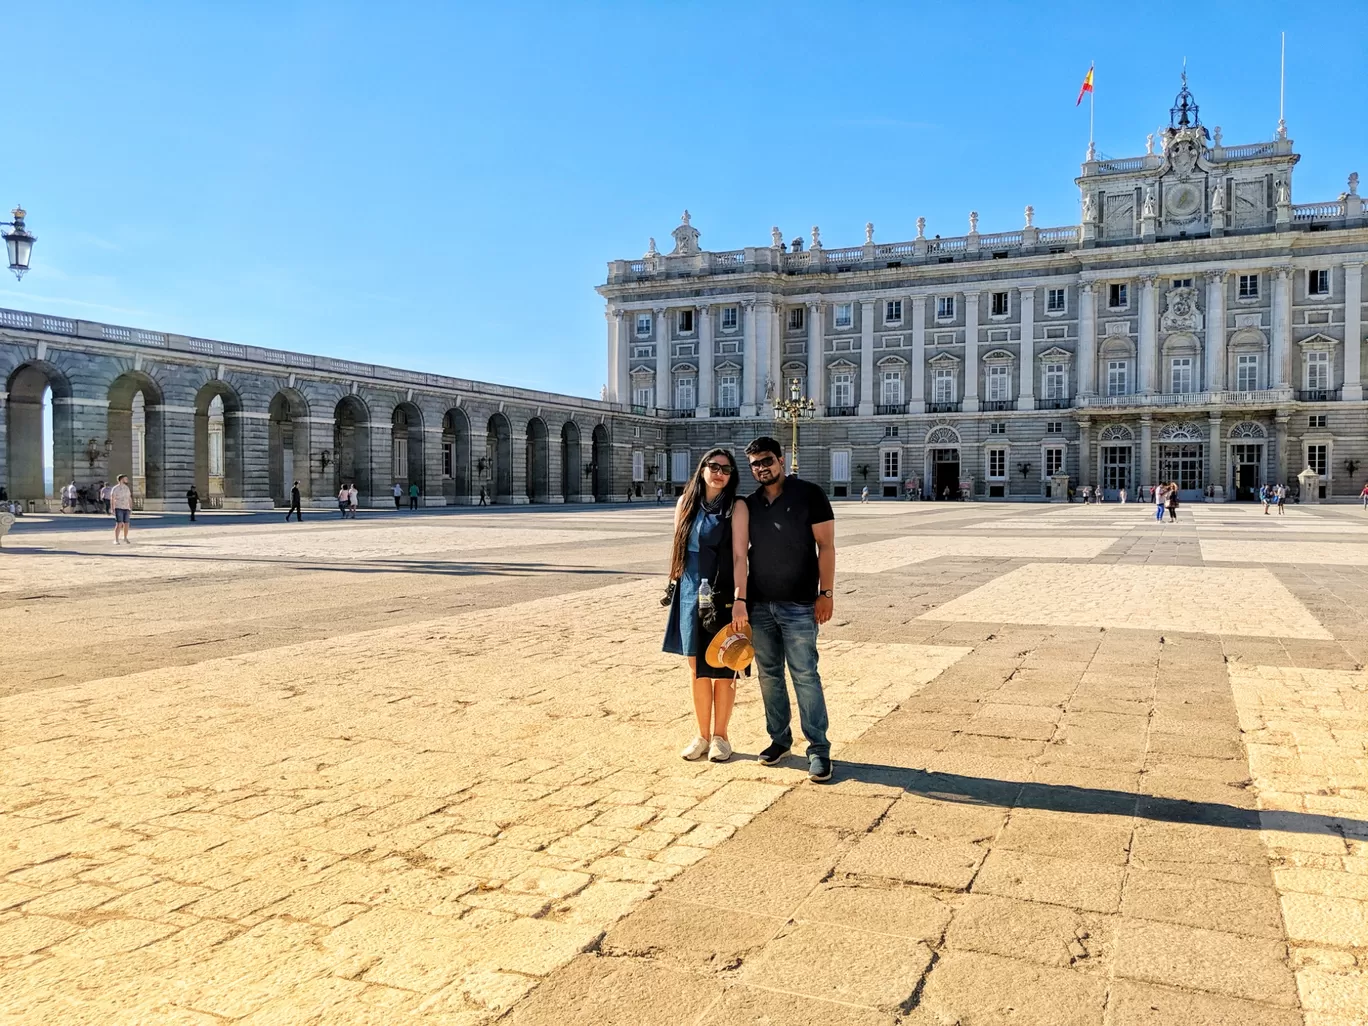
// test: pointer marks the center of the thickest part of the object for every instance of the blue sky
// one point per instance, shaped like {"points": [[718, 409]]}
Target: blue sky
{"points": [[439, 186]]}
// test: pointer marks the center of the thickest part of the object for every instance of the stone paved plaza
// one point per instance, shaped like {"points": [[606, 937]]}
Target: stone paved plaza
{"points": [[421, 768]]}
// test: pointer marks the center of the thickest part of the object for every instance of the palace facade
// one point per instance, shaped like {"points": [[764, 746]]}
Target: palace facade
{"points": [[1195, 326]]}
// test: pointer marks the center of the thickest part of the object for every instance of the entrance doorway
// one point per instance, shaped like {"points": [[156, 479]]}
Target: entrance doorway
{"points": [[1116, 470], [1246, 470], [1182, 463], [945, 473]]}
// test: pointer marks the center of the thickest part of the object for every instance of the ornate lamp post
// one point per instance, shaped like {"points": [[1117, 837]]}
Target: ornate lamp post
{"points": [[19, 242], [793, 409]]}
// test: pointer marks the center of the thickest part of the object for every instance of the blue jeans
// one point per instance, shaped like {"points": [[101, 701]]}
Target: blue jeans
{"points": [[1158, 511], [786, 632]]}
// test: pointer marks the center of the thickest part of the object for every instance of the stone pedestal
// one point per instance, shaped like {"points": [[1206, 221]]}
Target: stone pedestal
{"points": [[1310, 486], [1059, 487]]}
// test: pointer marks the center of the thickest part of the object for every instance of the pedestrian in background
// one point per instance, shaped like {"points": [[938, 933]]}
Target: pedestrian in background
{"points": [[413, 496], [1172, 501], [353, 499], [864, 494], [343, 499], [294, 505], [121, 499], [1264, 497], [192, 500], [398, 495], [1160, 497], [1281, 498], [483, 496]]}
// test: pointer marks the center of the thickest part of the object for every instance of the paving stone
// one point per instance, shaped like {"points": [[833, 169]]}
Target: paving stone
{"points": [[746, 886], [1047, 934], [914, 860], [837, 963], [1201, 960], [1087, 838], [596, 991], [1148, 1004], [688, 934], [962, 822], [974, 989], [752, 1006], [1200, 901], [906, 911], [1089, 886]]}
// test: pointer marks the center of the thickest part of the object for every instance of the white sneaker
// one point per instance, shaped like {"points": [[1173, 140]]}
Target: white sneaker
{"points": [[695, 749], [720, 750]]}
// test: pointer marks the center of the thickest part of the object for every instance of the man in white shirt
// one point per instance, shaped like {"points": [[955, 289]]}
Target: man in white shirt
{"points": [[398, 495], [121, 499]]}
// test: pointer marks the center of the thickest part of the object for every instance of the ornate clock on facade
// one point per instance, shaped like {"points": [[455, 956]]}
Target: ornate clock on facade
{"points": [[1183, 200]]}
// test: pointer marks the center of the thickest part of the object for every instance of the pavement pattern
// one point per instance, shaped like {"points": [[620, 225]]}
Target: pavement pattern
{"points": [[422, 768]]}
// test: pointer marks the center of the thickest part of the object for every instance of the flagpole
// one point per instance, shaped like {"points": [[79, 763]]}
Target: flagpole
{"points": [[1092, 110]]}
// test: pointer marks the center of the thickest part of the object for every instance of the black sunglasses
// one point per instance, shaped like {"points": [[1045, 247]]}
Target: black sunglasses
{"points": [[725, 469], [768, 461]]}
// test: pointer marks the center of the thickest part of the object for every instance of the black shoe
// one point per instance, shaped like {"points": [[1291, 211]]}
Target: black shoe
{"points": [[819, 768], [771, 755]]}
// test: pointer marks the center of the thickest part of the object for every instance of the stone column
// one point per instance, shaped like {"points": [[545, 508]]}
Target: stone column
{"points": [[1146, 445], [1084, 452], [1280, 373], [1216, 458], [613, 317], [918, 385], [1279, 463], [664, 400], [555, 482], [625, 328], [254, 434], [179, 456], [1215, 331], [816, 363], [755, 341], [1026, 396], [775, 372], [519, 454], [1149, 335], [316, 482], [1087, 340], [971, 360], [1353, 332], [866, 358], [705, 397]]}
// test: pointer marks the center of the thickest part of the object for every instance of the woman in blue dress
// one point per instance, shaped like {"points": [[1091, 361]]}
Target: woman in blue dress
{"points": [[711, 539]]}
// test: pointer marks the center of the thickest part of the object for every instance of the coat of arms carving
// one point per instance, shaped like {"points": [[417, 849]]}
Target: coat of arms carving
{"points": [[1181, 313]]}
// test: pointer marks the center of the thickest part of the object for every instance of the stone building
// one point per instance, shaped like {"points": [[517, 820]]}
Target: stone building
{"points": [[1195, 326], [242, 423]]}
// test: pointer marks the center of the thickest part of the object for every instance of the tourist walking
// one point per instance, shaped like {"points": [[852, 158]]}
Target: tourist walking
{"points": [[1280, 497], [1172, 501], [121, 500], [660, 495], [483, 496], [104, 497], [1364, 496], [413, 496], [1159, 495], [295, 507], [398, 495], [864, 494], [1264, 497], [707, 558], [353, 499], [68, 497], [1123, 496], [192, 500], [343, 499], [788, 595]]}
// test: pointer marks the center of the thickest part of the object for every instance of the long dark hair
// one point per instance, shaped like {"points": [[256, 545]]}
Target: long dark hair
{"points": [[691, 500]]}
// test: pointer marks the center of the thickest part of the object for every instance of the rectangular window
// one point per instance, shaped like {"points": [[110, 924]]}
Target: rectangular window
{"points": [[842, 389], [1054, 462], [1181, 374], [945, 308], [679, 466], [638, 466], [1117, 377], [890, 465], [729, 318], [1318, 283], [1249, 286], [843, 315], [1247, 372], [1055, 301], [944, 385], [795, 321], [1318, 458], [1317, 420], [1118, 296], [1116, 467], [727, 392], [997, 427], [448, 463], [643, 396], [1182, 283], [215, 454], [999, 383], [997, 463], [643, 324], [892, 388], [1317, 369], [1056, 383], [1054, 427], [840, 464], [1000, 304], [643, 352], [893, 311], [684, 394], [399, 463], [890, 431], [684, 321]]}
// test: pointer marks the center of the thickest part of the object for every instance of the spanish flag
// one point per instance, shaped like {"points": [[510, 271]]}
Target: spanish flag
{"points": [[1087, 86]]}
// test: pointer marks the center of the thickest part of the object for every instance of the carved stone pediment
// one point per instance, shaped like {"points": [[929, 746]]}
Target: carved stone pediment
{"points": [[1181, 313]]}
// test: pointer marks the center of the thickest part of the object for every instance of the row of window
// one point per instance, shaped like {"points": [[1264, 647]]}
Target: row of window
{"points": [[684, 321]]}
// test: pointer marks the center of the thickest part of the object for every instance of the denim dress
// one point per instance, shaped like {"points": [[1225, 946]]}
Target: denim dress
{"points": [[708, 557]]}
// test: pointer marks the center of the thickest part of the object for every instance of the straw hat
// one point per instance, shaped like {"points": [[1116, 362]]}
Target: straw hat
{"points": [[731, 648]]}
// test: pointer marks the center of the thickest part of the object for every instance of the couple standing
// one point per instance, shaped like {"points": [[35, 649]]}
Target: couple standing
{"points": [[768, 560]]}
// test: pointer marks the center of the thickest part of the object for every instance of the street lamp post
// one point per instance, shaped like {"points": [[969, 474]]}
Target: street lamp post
{"points": [[19, 241], [793, 409]]}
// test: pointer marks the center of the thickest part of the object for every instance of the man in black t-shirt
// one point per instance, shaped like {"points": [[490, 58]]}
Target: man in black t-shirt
{"points": [[787, 596]]}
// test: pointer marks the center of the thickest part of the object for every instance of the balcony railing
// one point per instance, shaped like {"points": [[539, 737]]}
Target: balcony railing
{"points": [[890, 409], [1053, 404], [683, 414], [840, 411], [1318, 395], [943, 407], [726, 411], [1261, 397], [645, 411], [997, 405]]}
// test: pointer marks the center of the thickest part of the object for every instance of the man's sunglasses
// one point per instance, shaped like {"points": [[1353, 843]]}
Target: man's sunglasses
{"points": [[725, 469], [768, 461]]}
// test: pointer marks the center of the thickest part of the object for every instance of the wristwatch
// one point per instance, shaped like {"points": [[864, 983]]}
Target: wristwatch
{"points": [[828, 593]]}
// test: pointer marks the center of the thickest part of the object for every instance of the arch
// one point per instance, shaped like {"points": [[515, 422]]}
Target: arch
{"points": [[406, 448], [999, 356], [1247, 429], [288, 444], [218, 443], [498, 458], [1116, 433], [456, 456], [1181, 342], [30, 387], [1184, 431], [942, 435], [603, 464], [538, 461], [352, 446], [571, 473], [138, 434]]}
